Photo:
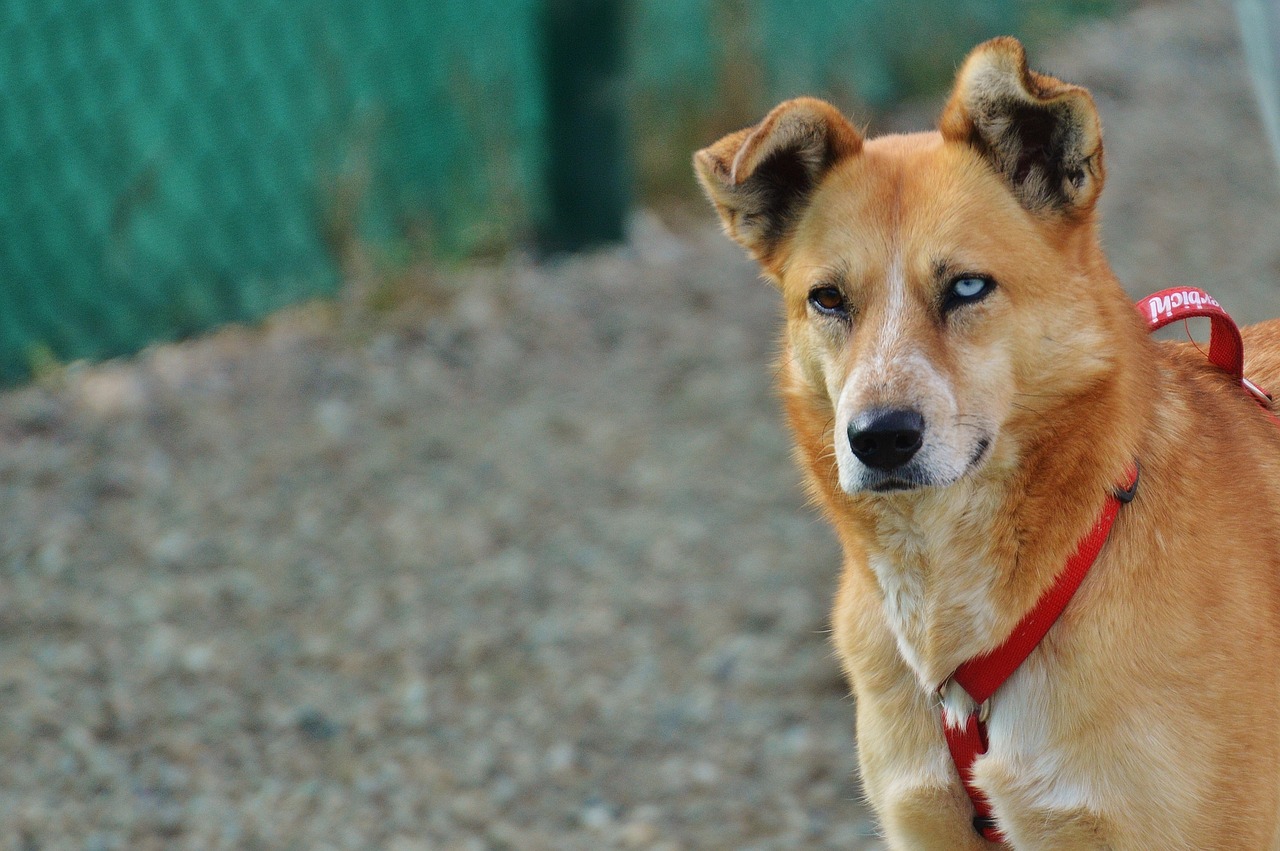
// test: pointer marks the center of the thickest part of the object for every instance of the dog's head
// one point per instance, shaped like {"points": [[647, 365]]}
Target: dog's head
{"points": [[927, 278]]}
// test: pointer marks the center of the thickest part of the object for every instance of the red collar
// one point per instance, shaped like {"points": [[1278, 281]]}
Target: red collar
{"points": [[982, 675]]}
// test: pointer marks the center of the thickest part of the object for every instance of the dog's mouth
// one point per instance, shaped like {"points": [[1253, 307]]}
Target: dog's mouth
{"points": [[894, 484]]}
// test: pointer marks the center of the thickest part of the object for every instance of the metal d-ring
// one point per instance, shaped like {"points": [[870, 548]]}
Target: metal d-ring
{"points": [[983, 710]]}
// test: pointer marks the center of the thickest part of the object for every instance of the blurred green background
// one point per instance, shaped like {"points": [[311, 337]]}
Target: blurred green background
{"points": [[169, 165]]}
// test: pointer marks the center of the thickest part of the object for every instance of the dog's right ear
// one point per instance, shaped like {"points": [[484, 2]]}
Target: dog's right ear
{"points": [[759, 178]]}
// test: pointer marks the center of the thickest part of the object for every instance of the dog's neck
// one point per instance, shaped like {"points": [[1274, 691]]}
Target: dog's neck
{"points": [[938, 561]]}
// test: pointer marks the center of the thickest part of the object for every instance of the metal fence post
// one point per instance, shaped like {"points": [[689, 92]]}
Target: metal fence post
{"points": [[1260, 31], [588, 178]]}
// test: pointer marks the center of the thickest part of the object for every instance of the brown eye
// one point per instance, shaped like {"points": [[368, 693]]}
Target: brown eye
{"points": [[829, 301]]}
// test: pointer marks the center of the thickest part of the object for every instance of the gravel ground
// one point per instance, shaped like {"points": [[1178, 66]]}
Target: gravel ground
{"points": [[519, 564]]}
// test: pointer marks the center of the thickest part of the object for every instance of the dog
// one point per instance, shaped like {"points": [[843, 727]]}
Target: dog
{"points": [[971, 392]]}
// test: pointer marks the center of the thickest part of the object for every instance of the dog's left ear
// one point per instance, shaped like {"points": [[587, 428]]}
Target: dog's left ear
{"points": [[1040, 134]]}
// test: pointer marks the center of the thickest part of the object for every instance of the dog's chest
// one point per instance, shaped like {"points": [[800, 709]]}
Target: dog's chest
{"points": [[936, 568], [937, 571]]}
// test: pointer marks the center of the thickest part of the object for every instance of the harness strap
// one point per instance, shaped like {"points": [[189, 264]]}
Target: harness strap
{"points": [[1226, 349], [981, 676]]}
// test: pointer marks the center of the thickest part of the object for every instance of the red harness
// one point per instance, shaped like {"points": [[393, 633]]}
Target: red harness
{"points": [[983, 675]]}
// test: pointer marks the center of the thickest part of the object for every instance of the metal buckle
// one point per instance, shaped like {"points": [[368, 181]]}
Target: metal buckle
{"points": [[1257, 392]]}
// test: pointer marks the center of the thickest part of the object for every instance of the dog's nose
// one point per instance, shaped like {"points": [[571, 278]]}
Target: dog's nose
{"points": [[886, 439]]}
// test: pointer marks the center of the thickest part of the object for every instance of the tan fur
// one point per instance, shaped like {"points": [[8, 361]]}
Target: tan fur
{"points": [[1149, 717]]}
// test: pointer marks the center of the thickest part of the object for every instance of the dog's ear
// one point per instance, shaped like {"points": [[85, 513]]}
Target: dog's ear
{"points": [[1040, 134], [759, 178]]}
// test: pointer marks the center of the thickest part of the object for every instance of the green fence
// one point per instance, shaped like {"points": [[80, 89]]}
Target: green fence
{"points": [[168, 165]]}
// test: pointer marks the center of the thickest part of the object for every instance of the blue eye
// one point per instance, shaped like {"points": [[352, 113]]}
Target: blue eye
{"points": [[966, 290]]}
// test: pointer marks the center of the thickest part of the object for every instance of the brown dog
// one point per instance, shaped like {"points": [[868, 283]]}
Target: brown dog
{"points": [[967, 382]]}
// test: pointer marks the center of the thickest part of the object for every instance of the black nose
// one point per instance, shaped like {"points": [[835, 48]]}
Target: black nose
{"points": [[886, 439]]}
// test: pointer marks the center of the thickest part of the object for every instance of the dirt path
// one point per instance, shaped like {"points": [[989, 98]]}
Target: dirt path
{"points": [[528, 569]]}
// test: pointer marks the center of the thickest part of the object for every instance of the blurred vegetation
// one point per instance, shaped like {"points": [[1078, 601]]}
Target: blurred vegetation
{"points": [[701, 68], [171, 166]]}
